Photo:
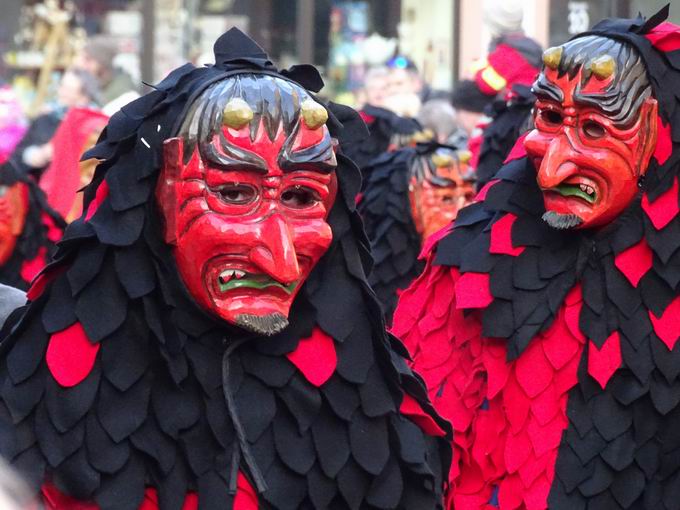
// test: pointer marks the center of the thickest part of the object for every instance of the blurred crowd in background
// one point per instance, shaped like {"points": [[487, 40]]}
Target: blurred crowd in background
{"points": [[442, 62]]}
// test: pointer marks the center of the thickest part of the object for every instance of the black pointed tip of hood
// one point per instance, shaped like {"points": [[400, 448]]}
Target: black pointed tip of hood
{"points": [[235, 45]]}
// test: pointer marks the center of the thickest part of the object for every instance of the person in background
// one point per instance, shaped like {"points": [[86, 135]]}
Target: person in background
{"points": [[405, 79], [12, 122], [442, 119], [77, 88], [116, 85], [374, 90], [513, 57], [470, 104]]}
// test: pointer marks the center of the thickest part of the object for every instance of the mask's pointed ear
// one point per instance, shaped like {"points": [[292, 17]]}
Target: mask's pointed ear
{"points": [[655, 20], [166, 188]]}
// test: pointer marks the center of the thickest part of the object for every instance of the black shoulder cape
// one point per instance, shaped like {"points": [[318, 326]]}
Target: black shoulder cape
{"points": [[176, 400], [510, 118], [385, 128]]}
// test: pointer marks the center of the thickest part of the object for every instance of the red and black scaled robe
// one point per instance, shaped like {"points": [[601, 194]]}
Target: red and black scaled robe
{"points": [[555, 354]]}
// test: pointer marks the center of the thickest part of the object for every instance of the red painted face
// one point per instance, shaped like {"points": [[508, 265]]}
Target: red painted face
{"points": [[435, 202], [588, 166], [245, 240], [13, 210]]}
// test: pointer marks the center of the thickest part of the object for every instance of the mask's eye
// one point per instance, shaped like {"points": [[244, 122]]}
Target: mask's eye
{"points": [[299, 197], [3, 190], [447, 199], [551, 117], [593, 129], [237, 194]]}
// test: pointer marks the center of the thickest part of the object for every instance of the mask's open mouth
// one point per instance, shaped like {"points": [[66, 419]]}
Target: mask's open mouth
{"points": [[230, 279], [585, 192]]}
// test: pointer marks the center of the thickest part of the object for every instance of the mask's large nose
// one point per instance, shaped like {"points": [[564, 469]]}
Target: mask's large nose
{"points": [[275, 253], [558, 162]]}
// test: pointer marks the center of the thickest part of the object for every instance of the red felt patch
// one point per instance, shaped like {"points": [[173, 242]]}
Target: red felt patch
{"points": [[518, 150], [245, 499], [53, 231], [481, 196], [533, 370], [602, 363], [665, 37], [667, 327], [501, 237], [664, 142], [411, 408], [41, 281], [664, 208], [99, 197], [70, 355], [31, 268], [315, 357], [53, 499], [472, 291], [368, 119], [635, 261], [151, 500]]}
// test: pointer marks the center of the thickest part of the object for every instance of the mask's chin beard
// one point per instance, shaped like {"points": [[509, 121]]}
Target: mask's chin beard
{"points": [[561, 221], [266, 325]]}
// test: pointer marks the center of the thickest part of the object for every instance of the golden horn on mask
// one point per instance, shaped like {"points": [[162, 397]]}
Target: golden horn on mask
{"points": [[552, 57], [314, 114], [603, 66], [237, 113], [441, 159]]}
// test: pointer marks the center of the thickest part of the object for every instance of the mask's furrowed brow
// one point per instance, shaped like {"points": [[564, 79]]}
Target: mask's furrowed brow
{"points": [[319, 157], [545, 89], [224, 154]]}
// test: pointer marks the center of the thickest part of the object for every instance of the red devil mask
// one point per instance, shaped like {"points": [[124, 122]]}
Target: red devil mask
{"points": [[247, 214], [437, 191], [13, 210], [595, 131]]}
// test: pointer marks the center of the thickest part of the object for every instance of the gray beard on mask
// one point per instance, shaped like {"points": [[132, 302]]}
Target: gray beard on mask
{"points": [[561, 221], [266, 325]]}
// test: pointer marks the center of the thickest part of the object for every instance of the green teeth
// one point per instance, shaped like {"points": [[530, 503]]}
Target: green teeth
{"points": [[574, 190]]}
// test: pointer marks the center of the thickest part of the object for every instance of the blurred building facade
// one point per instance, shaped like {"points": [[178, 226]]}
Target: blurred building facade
{"points": [[342, 37]]}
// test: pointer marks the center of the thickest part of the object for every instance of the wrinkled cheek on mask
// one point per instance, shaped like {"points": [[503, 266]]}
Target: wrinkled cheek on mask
{"points": [[312, 239]]}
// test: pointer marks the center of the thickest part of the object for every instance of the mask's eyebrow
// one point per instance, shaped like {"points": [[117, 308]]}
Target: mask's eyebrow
{"points": [[545, 89], [319, 157], [222, 153], [622, 101]]}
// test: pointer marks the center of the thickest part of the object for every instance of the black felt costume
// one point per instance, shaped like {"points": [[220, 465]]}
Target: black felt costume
{"points": [[170, 385], [620, 447], [510, 118], [386, 129], [386, 210], [42, 228]]}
